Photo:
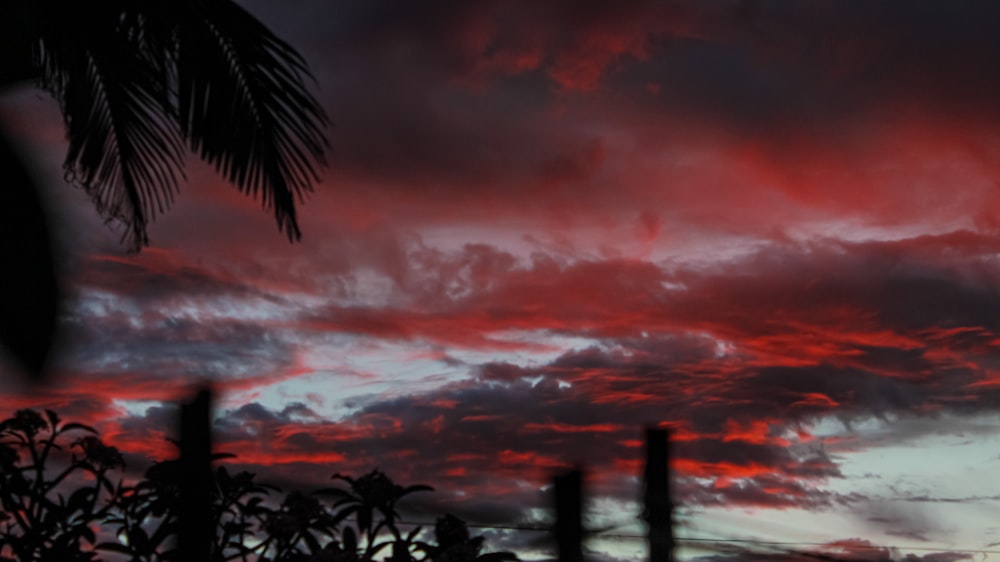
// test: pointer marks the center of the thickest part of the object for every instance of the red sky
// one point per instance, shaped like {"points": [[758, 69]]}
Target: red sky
{"points": [[770, 226]]}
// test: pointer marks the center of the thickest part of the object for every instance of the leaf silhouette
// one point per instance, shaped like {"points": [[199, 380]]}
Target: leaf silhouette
{"points": [[123, 149], [138, 80], [244, 107]]}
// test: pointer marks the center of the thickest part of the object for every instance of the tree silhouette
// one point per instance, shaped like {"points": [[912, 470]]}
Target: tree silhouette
{"points": [[138, 83]]}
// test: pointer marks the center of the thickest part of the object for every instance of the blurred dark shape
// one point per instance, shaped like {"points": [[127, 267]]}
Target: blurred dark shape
{"points": [[30, 292], [569, 516], [658, 505], [196, 528]]}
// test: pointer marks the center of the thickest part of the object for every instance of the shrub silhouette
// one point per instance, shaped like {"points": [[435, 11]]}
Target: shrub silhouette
{"points": [[370, 495], [58, 502], [455, 545], [51, 503]]}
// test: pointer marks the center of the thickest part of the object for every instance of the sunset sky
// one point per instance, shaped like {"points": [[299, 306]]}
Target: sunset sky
{"points": [[771, 226]]}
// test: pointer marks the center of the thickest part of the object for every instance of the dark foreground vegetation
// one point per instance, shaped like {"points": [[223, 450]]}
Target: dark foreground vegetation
{"points": [[63, 497]]}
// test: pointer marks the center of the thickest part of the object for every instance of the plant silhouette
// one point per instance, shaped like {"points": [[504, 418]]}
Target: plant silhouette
{"points": [[139, 83], [370, 495], [58, 501], [50, 504], [455, 545]]}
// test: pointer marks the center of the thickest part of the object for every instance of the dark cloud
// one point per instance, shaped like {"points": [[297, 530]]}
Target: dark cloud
{"points": [[157, 275], [738, 358], [470, 104], [735, 362], [161, 317], [679, 122]]}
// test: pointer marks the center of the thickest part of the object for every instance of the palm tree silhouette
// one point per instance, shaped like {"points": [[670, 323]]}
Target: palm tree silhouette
{"points": [[139, 82]]}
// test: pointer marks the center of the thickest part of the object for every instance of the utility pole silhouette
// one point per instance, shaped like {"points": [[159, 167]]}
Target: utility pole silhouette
{"points": [[569, 516], [658, 506], [196, 529]]}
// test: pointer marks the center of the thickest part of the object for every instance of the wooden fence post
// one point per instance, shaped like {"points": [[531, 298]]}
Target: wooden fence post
{"points": [[196, 531], [569, 516], [658, 506]]}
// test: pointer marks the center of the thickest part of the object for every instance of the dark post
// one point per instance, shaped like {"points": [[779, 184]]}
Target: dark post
{"points": [[658, 507], [569, 516], [196, 530]]}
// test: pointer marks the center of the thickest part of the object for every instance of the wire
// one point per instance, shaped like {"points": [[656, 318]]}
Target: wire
{"points": [[725, 524], [840, 546], [703, 540], [481, 526], [513, 527], [707, 540]]}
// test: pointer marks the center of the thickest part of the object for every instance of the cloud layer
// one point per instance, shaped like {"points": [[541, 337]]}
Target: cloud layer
{"points": [[769, 227]]}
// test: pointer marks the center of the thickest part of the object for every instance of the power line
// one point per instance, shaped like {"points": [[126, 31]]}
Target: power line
{"points": [[840, 546], [756, 542], [602, 530], [482, 526], [707, 540], [735, 525]]}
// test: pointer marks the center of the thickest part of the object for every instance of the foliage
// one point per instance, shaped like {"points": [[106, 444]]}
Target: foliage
{"points": [[50, 505], [455, 545], [58, 502], [141, 81], [370, 495]]}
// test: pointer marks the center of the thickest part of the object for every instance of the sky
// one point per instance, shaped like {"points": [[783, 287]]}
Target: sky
{"points": [[772, 227]]}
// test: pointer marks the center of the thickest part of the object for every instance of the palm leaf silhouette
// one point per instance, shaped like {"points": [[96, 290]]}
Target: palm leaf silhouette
{"points": [[124, 150], [138, 80], [246, 111]]}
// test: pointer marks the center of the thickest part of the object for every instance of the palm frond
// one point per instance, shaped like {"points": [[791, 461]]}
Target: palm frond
{"points": [[125, 147], [244, 107], [138, 79]]}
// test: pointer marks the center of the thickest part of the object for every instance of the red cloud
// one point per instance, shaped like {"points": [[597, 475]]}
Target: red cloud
{"points": [[566, 428], [575, 44], [816, 399]]}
